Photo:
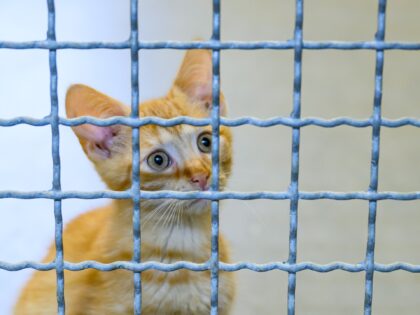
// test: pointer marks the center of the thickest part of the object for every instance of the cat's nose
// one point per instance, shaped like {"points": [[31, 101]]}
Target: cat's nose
{"points": [[200, 180]]}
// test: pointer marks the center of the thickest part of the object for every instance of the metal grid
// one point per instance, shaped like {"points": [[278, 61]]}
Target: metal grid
{"points": [[369, 266]]}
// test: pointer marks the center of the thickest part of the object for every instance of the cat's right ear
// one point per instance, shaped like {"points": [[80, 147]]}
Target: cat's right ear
{"points": [[97, 142], [194, 78]]}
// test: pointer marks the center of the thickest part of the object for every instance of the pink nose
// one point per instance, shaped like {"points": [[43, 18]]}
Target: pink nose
{"points": [[200, 180]]}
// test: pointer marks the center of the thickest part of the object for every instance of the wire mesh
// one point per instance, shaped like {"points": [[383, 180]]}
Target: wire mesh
{"points": [[372, 195]]}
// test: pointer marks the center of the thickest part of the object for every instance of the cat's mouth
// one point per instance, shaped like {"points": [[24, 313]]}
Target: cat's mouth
{"points": [[204, 202], [198, 201], [198, 205]]}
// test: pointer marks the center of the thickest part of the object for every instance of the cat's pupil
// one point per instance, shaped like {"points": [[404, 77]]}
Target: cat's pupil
{"points": [[158, 159], [205, 141]]}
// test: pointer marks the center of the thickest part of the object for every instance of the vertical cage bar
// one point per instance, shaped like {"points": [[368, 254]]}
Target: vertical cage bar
{"points": [[374, 169], [56, 183], [134, 40], [294, 180], [215, 123]]}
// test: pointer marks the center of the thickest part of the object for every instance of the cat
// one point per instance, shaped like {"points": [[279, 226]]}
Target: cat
{"points": [[174, 158]]}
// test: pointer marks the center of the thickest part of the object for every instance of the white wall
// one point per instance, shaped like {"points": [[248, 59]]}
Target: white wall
{"points": [[256, 83]]}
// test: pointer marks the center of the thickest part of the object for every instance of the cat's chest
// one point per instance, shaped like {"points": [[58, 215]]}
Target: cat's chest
{"points": [[178, 292], [159, 242], [186, 242]]}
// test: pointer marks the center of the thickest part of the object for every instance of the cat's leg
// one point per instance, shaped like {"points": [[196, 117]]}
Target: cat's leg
{"points": [[39, 297]]}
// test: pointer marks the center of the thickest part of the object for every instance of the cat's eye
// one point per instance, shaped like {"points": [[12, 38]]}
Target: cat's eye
{"points": [[204, 142], [159, 160]]}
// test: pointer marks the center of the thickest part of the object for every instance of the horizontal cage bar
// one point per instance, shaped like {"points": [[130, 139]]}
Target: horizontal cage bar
{"points": [[239, 45], [234, 122], [139, 267], [209, 195]]}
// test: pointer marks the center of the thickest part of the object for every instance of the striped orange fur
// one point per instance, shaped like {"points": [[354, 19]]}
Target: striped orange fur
{"points": [[172, 230]]}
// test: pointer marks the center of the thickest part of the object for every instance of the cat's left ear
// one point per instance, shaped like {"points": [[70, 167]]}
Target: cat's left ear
{"points": [[194, 78], [97, 142]]}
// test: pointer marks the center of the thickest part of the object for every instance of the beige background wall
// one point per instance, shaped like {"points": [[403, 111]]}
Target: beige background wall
{"points": [[256, 83]]}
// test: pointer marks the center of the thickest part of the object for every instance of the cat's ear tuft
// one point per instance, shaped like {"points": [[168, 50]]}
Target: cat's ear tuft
{"points": [[194, 78], [81, 100]]}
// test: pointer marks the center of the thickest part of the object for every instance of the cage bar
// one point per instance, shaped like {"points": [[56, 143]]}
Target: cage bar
{"points": [[230, 122], [215, 124], [219, 195], [294, 177], [135, 176], [241, 45], [153, 265], [56, 184], [374, 168]]}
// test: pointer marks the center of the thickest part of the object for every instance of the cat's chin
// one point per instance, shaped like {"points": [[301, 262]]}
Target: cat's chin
{"points": [[198, 206]]}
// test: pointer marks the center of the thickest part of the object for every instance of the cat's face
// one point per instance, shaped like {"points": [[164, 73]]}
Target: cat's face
{"points": [[173, 158], [179, 157]]}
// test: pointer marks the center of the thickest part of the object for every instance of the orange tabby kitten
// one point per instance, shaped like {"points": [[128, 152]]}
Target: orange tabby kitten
{"points": [[175, 158]]}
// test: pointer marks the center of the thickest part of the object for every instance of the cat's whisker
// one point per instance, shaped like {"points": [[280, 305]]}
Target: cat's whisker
{"points": [[163, 216], [178, 213], [171, 217], [145, 219], [153, 213], [160, 215]]}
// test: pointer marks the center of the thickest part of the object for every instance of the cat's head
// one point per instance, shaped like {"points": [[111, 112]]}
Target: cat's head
{"points": [[172, 158]]}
